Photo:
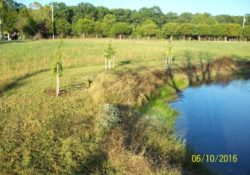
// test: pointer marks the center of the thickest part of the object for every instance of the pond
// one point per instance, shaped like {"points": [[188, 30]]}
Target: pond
{"points": [[215, 119]]}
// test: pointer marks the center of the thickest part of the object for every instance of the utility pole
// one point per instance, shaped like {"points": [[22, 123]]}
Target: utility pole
{"points": [[244, 21], [53, 30]]}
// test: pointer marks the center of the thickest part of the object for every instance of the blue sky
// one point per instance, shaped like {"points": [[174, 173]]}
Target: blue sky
{"points": [[215, 7]]}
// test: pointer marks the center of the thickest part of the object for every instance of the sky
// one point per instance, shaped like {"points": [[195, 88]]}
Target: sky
{"points": [[214, 7]]}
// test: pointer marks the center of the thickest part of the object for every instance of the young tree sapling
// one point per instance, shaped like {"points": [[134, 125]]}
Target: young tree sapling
{"points": [[57, 68], [109, 56], [169, 55]]}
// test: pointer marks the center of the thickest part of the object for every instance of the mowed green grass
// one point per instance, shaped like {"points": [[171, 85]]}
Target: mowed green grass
{"points": [[19, 58]]}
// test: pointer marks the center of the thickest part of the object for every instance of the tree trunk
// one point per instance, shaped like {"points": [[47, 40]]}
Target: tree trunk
{"points": [[199, 38], [120, 37], [171, 38], [57, 82], [96, 35], [83, 35], [148, 37], [8, 37], [189, 38], [184, 37], [1, 27], [225, 39]]}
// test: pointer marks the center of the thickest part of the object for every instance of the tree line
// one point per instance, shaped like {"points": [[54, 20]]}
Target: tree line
{"points": [[86, 20]]}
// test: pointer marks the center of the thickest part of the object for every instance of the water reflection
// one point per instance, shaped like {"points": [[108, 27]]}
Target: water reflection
{"points": [[215, 119]]}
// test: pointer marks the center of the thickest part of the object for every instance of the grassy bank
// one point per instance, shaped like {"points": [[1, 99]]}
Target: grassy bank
{"points": [[120, 124]]}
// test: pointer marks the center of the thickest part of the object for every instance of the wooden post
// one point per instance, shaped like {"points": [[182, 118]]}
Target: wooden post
{"points": [[109, 64]]}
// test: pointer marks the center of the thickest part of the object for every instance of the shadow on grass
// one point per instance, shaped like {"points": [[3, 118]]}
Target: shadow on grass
{"points": [[12, 41], [125, 62], [18, 82]]}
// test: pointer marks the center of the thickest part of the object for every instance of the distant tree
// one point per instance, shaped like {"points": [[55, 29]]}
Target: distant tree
{"points": [[42, 17], [62, 27], [203, 30], [222, 19], [84, 10], [108, 21], [204, 19], [98, 29], [121, 15], [186, 29], [109, 56], [153, 13], [85, 19], [170, 30], [101, 12], [25, 25], [8, 16], [147, 29], [171, 17], [233, 30], [237, 20], [84, 27], [120, 28], [135, 18], [185, 18], [218, 30], [62, 11], [246, 32], [57, 68]]}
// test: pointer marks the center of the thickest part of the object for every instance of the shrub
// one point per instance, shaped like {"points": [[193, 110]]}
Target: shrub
{"points": [[109, 118]]}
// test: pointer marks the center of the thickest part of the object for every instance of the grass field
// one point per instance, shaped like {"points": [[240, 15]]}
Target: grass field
{"points": [[20, 58], [42, 134]]}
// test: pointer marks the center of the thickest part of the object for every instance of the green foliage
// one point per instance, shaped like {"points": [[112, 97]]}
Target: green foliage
{"points": [[246, 32], [203, 30], [170, 29], [204, 19], [98, 28], [57, 68], [233, 30], [84, 26], [218, 30], [86, 19], [41, 15], [108, 21], [186, 29], [109, 53], [120, 29], [147, 29], [62, 27]]}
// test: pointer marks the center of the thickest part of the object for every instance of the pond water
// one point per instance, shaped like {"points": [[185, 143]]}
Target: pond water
{"points": [[215, 119]]}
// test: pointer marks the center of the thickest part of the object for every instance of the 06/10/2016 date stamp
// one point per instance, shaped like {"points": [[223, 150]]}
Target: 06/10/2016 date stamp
{"points": [[214, 158]]}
